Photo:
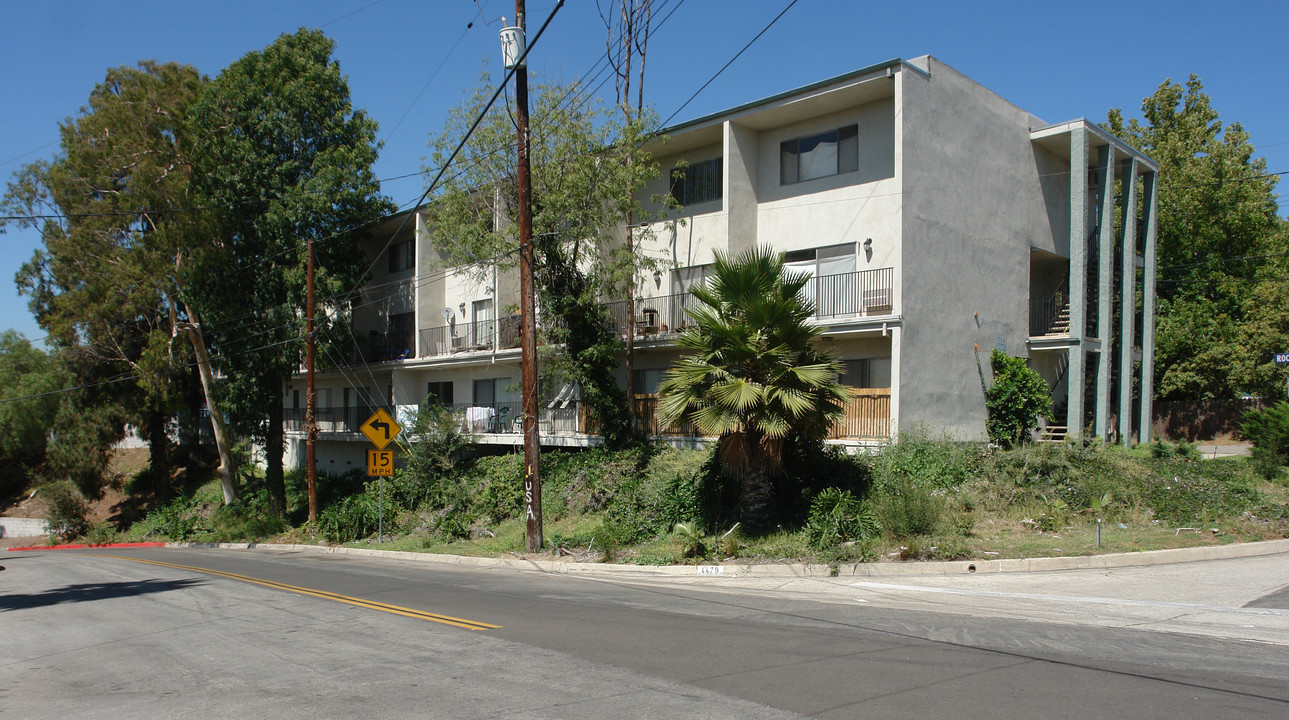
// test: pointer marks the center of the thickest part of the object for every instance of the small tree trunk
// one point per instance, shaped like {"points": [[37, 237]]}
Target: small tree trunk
{"points": [[158, 455], [225, 470]]}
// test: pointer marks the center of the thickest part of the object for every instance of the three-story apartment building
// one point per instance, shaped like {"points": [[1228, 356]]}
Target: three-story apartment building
{"points": [[938, 222]]}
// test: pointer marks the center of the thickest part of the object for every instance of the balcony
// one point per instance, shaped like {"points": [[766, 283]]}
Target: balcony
{"points": [[866, 415], [384, 347], [470, 337], [866, 292]]}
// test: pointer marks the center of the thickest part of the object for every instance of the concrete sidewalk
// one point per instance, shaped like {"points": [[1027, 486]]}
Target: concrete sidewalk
{"points": [[1236, 598]]}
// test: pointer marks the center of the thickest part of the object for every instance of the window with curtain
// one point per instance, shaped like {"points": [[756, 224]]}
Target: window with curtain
{"points": [[821, 155], [698, 182]]}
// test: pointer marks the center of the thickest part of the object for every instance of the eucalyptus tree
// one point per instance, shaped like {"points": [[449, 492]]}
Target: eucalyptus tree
{"points": [[281, 149], [122, 230], [754, 375]]}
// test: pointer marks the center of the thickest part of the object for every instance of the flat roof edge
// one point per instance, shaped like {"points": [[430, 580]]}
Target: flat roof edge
{"points": [[1097, 130], [894, 62]]}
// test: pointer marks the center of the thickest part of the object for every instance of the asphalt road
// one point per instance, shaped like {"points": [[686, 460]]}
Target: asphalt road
{"points": [[287, 634]]}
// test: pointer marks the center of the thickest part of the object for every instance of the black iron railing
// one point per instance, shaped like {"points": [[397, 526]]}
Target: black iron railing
{"points": [[329, 419], [1049, 315]]}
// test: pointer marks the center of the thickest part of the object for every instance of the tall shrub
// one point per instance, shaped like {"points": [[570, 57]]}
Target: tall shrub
{"points": [[1268, 430], [1015, 400]]}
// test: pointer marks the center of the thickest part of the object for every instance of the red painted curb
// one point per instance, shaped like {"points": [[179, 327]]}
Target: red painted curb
{"points": [[84, 547]]}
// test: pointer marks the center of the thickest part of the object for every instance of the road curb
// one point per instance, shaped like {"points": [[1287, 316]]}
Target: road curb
{"points": [[954, 567], [88, 546]]}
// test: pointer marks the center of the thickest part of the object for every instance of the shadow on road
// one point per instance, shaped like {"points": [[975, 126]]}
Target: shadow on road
{"points": [[93, 591]]}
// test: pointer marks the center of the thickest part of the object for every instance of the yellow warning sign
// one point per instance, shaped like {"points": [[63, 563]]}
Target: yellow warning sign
{"points": [[380, 463], [380, 428]]}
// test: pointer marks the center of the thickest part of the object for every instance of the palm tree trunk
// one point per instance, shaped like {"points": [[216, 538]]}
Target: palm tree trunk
{"points": [[754, 503]]}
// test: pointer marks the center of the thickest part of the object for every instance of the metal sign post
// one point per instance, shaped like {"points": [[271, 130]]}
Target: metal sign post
{"points": [[381, 429]]}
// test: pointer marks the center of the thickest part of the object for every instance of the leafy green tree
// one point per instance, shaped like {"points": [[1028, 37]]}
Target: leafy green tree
{"points": [[26, 411], [1016, 398], [282, 150], [109, 284], [754, 377], [586, 172], [1217, 224], [1268, 429]]}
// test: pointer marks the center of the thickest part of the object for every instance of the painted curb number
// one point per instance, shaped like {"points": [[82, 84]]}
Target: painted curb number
{"points": [[711, 569]]}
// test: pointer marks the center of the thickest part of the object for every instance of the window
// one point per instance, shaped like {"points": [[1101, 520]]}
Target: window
{"points": [[815, 156], [698, 182], [832, 282], [441, 391], [647, 381], [819, 262], [485, 392], [401, 332], [868, 373], [686, 279], [402, 255]]}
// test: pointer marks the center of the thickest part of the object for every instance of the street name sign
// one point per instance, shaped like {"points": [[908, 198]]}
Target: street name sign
{"points": [[380, 428], [1282, 358]]}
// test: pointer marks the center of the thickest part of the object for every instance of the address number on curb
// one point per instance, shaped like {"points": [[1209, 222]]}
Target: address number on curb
{"points": [[711, 569]]}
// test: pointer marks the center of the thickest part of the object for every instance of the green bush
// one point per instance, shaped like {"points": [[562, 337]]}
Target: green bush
{"points": [[1183, 493], [837, 516], [1268, 430], [907, 510], [926, 462], [647, 502], [67, 510], [100, 534], [1015, 400], [353, 518]]}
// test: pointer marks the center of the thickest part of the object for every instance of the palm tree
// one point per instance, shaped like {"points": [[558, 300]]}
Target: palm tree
{"points": [[755, 377]]}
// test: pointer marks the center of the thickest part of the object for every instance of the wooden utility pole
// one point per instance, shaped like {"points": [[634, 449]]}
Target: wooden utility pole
{"points": [[527, 302], [310, 412]]}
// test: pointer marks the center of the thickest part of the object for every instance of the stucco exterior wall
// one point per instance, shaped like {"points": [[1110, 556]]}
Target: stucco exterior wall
{"points": [[971, 210], [850, 207]]}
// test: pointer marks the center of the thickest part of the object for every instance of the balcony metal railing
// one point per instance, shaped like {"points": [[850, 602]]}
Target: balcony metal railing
{"points": [[507, 417], [1049, 315], [866, 292], [329, 419], [866, 416], [469, 337]]}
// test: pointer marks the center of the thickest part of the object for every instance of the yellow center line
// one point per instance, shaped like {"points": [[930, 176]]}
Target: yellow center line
{"points": [[348, 600]]}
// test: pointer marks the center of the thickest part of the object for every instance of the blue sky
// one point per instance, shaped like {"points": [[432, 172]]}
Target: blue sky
{"points": [[1056, 60]]}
